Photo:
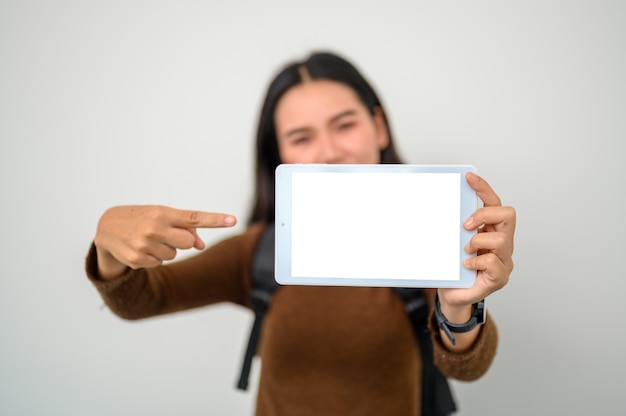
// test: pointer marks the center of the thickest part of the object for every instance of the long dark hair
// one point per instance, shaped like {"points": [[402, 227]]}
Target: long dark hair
{"points": [[319, 65]]}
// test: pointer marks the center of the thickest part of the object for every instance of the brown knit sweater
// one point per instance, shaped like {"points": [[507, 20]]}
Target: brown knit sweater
{"points": [[325, 350]]}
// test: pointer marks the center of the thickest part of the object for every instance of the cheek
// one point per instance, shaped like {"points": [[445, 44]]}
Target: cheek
{"points": [[365, 144], [294, 154]]}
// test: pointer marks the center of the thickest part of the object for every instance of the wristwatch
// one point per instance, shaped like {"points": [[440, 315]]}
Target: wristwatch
{"points": [[479, 314]]}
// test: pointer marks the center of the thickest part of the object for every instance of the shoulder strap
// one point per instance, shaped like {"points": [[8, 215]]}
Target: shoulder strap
{"points": [[437, 398], [263, 287]]}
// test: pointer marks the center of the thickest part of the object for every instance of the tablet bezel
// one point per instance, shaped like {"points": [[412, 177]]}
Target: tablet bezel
{"points": [[283, 218]]}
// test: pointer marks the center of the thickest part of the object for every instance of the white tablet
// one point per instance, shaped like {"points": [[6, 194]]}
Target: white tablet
{"points": [[373, 225]]}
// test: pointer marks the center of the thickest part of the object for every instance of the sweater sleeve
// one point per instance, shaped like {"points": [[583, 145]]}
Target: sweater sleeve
{"points": [[220, 273], [469, 365]]}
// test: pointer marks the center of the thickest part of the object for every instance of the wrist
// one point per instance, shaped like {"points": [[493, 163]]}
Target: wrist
{"points": [[476, 317], [108, 266], [456, 314]]}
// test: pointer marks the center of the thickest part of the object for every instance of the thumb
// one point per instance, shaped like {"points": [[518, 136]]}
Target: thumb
{"points": [[198, 243]]}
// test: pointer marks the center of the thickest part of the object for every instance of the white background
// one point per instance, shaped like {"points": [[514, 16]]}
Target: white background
{"points": [[119, 102]]}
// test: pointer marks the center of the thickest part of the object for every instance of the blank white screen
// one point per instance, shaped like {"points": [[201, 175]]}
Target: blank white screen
{"points": [[376, 225]]}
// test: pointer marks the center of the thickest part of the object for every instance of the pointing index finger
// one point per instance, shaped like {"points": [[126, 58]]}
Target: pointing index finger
{"points": [[201, 219]]}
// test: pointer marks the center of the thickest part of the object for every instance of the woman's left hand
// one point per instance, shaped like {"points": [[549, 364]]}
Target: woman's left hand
{"points": [[493, 245]]}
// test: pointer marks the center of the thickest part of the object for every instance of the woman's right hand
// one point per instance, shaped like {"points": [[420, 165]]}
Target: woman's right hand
{"points": [[146, 236]]}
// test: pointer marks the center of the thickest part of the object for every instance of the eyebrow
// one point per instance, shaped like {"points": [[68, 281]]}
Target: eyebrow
{"points": [[336, 117]]}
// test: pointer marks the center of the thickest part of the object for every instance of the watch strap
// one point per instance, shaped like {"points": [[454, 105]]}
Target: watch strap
{"points": [[477, 318]]}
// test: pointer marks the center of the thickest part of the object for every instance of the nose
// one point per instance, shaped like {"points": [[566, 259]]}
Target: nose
{"points": [[329, 152]]}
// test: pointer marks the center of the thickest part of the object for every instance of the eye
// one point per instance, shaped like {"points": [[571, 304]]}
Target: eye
{"points": [[346, 125], [300, 140]]}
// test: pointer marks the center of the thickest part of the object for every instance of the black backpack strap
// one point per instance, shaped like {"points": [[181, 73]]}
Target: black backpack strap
{"points": [[263, 287], [437, 398]]}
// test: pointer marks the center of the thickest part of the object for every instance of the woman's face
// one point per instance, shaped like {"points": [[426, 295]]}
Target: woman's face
{"points": [[324, 121]]}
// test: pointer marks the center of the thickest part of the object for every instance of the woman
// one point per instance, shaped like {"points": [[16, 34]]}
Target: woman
{"points": [[325, 350]]}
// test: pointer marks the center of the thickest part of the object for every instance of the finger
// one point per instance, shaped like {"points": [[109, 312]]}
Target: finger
{"points": [[483, 190], [180, 238], [496, 242], [503, 218], [201, 219], [163, 252], [198, 243], [496, 272]]}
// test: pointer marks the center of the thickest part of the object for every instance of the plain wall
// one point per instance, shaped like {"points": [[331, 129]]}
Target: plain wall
{"points": [[153, 102]]}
